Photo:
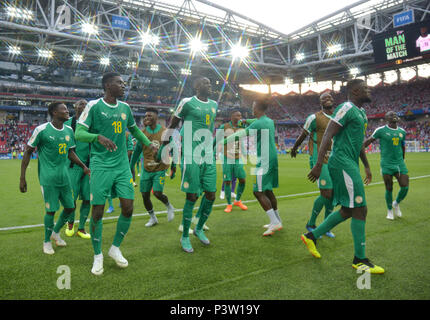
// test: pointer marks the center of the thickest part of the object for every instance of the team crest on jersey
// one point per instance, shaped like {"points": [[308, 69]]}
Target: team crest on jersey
{"points": [[358, 199], [213, 110], [323, 182], [400, 135], [123, 116], [67, 138], [47, 205], [186, 185]]}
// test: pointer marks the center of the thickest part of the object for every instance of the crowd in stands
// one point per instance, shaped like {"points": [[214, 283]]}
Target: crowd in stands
{"points": [[399, 97]]}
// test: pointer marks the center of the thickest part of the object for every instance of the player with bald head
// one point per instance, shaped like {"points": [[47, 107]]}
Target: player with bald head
{"points": [[392, 146], [197, 157], [314, 127]]}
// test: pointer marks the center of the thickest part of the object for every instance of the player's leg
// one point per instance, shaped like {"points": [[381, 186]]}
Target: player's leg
{"points": [[75, 176], [65, 196], [327, 194], [124, 189], [50, 197], [84, 211], [146, 184], [403, 179], [388, 181], [233, 185], [227, 172], [222, 193], [158, 187], [239, 172], [208, 183], [49, 227]]}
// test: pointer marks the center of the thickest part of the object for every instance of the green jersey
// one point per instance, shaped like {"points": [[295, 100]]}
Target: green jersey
{"points": [[53, 147], [265, 122], [130, 144], [82, 148], [311, 127], [110, 121], [198, 115], [391, 144], [348, 142]]}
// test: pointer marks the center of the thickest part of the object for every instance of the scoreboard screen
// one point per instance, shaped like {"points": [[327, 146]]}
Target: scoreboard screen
{"points": [[401, 45]]}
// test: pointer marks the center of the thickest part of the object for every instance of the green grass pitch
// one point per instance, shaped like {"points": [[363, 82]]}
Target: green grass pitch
{"points": [[239, 263]]}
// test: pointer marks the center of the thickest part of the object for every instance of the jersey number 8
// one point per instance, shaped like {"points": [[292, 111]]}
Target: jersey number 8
{"points": [[117, 126], [208, 119]]}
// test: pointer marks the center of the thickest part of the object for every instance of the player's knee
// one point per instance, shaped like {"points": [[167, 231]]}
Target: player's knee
{"points": [[242, 181], [158, 195], [326, 193], [360, 213], [192, 197], [146, 196], [210, 196]]}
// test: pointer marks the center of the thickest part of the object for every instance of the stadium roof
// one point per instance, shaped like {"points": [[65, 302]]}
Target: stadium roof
{"points": [[158, 42]]}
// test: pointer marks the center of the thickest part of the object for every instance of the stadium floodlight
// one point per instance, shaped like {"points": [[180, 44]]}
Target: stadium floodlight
{"points": [[309, 80], [89, 28], [18, 13], [78, 58], [288, 81], [105, 61], [154, 67], [354, 71], [131, 65], [196, 45], [239, 51], [150, 39], [300, 56], [332, 49], [45, 53], [186, 72], [14, 50]]}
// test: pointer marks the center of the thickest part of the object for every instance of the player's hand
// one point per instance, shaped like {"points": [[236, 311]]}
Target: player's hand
{"points": [[315, 173], [368, 178], [107, 143], [87, 171], [293, 152], [22, 185]]}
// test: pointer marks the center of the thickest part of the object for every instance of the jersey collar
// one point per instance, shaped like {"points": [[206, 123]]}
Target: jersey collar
{"points": [[157, 128], [109, 105], [391, 128], [201, 100], [56, 128]]}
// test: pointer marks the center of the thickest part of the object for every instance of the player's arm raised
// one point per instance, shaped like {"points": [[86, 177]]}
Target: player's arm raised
{"points": [[75, 159], [24, 164], [368, 142], [332, 129]]}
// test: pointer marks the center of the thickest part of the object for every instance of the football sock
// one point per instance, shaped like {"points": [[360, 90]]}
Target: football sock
{"points": [[83, 215], [96, 229], [151, 213], [49, 226], [240, 190], [228, 193], [186, 216], [328, 207], [71, 217], [223, 186], [332, 220], [389, 199], [359, 236], [206, 211], [233, 183], [62, 219], [272, 217], [277, 215], [199, 212], [318, 205], [122, 227], [402, 194]]}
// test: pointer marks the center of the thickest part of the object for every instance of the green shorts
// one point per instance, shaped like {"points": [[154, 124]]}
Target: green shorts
{"points": [[266, 181], [348, 187], [152, 180], [110, 183], [54, 195], [197, 178], [324, 181], [394, 169], [80, 183], [233, 169]]}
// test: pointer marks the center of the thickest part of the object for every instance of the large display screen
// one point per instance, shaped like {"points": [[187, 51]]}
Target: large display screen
{"points": [[401, 45]]}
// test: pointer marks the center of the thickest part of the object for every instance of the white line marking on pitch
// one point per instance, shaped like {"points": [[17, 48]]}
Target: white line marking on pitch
{"points": [[196, 208]]}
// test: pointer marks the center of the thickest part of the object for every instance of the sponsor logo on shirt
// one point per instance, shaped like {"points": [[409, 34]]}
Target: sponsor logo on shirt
{"points": [[52, 137], [105, 114]]}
